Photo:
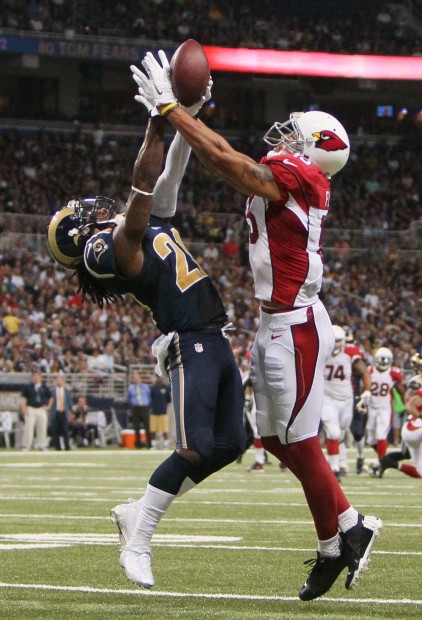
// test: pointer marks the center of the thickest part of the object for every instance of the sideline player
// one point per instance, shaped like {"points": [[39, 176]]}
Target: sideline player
{"points": [[384, 377], [412, 442], [250, 417], [289, 195], [337, 408]]}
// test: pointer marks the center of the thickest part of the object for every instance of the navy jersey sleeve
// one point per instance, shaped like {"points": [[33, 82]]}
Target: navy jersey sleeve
{"points": [[99, 255]]}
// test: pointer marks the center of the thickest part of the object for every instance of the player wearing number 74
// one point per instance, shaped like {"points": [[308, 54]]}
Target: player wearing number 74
{"points": [[142, 255]]}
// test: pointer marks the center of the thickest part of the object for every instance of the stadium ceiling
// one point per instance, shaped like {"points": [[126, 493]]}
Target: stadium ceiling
{"points": [[314, 64]]}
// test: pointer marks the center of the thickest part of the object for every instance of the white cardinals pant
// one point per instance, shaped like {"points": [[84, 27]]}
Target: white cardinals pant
{"points": [[287, 371], [336, 417], [412, 436], [379, 424]]}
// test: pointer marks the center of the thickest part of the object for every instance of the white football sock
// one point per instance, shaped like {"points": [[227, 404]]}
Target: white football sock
{"points": [[187, 485], [333, 460], [348, 519], [153, 506], [343, 456], [260, 456], [330, 547]]}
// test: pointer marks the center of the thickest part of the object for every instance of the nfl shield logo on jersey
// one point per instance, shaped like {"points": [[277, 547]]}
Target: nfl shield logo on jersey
{"points": [[198, 347]]}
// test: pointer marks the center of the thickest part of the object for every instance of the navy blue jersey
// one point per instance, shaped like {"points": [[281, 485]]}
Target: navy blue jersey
{"points": [[171, 284]]}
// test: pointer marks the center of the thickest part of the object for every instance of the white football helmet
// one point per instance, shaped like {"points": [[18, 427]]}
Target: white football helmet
{"points": [[349, 334], [416, 360], [340, 336], [383, 358], [317, 135]]}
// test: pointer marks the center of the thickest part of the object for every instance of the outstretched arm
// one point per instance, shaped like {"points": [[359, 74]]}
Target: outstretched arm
{"points": [[128, 235], [164, 200], [237, 169]]}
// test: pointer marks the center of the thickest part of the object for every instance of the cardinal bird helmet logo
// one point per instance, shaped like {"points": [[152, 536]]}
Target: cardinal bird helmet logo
{"points": [[318, 136], [328, 141]]}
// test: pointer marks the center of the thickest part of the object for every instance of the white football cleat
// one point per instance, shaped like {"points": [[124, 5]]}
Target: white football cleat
{"points": [[137, 566], [125, 516]]}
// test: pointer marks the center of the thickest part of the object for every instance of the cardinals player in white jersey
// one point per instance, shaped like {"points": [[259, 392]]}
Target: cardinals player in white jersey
{"points": [[412, 442], [289, 198], [380, 411], [337, 409]]}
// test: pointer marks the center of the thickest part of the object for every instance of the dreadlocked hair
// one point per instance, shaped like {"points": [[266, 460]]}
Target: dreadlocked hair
{"points": [[88, 285]]}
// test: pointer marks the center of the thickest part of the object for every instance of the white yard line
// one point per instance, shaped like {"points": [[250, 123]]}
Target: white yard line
{"points": [[91, 497], [6, 515], [203, 595], [10, 542]]}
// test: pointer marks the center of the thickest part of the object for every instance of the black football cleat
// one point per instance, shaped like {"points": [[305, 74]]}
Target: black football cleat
{"points": [[386, 462], [359, 542], [324, 572], [359, 465]]}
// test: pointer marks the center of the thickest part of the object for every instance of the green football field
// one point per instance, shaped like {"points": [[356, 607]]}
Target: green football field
{"points": [[231, 549]]}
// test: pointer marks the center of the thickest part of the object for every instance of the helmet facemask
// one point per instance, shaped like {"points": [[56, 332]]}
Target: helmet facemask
{"points": [[90, 213], [338, 347], [288, 134], [340, 340], [383, 359]]}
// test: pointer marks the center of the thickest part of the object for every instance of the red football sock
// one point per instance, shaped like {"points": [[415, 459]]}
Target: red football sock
{"points": [[325, 498], [409, 470], [332, 446], [381, 448]]}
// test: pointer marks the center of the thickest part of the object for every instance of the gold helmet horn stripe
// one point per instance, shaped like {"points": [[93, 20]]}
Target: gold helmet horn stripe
{"points": [[61, 258]]}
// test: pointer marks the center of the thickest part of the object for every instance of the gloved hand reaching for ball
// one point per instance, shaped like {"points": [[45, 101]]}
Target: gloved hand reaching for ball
{"points": [[157, 83], [155, 89], [145, 91], [195, 108]]}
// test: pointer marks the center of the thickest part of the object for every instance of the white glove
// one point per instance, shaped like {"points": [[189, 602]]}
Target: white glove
{"points": [[145, 90], [160, 78], [363, 402], [195, 108]]}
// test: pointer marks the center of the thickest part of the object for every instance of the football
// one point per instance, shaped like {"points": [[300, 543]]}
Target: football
{"points": [[189, 72]]}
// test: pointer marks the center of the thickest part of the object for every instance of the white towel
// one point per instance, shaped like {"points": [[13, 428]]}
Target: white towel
{"points": [[160, 352]]}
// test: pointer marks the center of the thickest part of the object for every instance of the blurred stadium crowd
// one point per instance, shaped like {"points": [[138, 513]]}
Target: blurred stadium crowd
{"points": [[373, 278], [380, 188], [45, 324], [354, 27]]}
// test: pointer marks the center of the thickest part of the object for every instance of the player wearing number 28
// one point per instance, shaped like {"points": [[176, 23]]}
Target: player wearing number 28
{"points": [[289, 196], [142, 254]]}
